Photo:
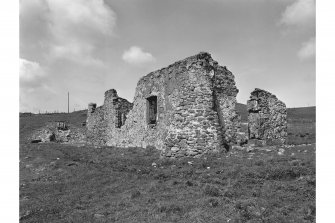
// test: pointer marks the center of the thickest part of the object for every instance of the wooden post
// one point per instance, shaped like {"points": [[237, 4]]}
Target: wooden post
{"points": [[68, 102]]}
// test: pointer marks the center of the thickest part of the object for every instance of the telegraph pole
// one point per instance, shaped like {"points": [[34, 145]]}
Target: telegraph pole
{"points": [[68, 102]]}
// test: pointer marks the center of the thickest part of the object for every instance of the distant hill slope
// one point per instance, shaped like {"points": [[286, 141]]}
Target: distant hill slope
{"points": [[300, 120], [33, 120], [30, 122], [293, 114], [303, 113], [242, 110]]}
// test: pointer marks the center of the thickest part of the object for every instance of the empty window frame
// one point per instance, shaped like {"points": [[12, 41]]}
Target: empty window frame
{"points": [[118, 119], [152, 110]]}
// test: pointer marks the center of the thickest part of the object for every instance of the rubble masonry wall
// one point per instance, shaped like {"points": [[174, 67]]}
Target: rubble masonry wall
{"points": [[195, 110], [267, 118]]}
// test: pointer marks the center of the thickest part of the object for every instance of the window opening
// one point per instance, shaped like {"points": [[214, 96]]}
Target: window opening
{"points": [[118, 122], [152, 110]]}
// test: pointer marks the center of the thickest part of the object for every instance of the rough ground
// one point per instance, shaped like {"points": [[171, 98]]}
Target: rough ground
{"points": [[62, 183]]}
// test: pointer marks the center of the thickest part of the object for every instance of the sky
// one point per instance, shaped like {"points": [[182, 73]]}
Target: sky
{"points": [[86, 47]]}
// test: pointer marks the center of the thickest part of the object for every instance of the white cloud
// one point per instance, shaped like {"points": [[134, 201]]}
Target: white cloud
{"points": [[78, 26], [136, 56], [30, 71], [299, 13], [65, 29], [32, 84], [61, 41], [307, 50], [33, 77]]}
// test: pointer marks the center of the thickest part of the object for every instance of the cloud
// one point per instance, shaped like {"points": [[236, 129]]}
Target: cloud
{"points": [[33, 76], [31, 73], [62, 43], [136, 56], [307, 50], [32, 84], [299, 13], [65, 29], [78, 27], [29, 70]]}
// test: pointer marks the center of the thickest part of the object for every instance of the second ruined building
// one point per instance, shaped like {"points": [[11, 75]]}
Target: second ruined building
{"points": [[267, 119]]}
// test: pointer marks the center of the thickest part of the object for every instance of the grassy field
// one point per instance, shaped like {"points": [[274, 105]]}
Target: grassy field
{"points": [[63, 183]]}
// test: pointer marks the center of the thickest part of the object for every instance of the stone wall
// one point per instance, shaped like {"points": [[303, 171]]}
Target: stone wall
{"points": [[195, 110], [267, 119], [225, 93], [103, 122], [96, 126]]}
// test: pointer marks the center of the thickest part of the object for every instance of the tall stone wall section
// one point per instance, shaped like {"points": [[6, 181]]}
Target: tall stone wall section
{"points": [[116, 110], [225, 93], [195, 110], [96, 126], [267, 118], [194, 123]]}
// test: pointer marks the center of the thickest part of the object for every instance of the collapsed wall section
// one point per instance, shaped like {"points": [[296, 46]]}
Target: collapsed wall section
{"points": [[96, 126], [59, 131], [267, 118], [102, 121], [116, 110]]}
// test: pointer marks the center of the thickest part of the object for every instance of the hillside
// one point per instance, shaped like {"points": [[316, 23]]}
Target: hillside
{"points": [[301, 122], [30, 122], [303, 114], [307, 114], [242, 110]]}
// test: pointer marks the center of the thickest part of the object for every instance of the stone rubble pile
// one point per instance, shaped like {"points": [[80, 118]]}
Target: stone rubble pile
{"points": [[52, 133]]}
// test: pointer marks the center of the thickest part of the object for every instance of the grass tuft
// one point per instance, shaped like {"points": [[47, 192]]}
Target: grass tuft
{"points": [[212, 190]]}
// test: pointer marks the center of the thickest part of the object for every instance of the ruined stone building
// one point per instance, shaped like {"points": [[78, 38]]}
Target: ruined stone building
{"points": [[267, 123], [187, 108]]}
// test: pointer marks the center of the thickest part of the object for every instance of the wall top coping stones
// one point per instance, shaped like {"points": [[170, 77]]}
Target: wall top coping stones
{"points": [[260, 93], [111, 93], [200, 56]]}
